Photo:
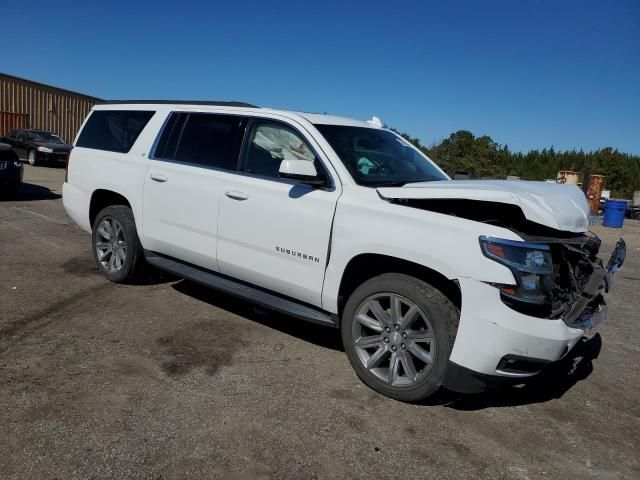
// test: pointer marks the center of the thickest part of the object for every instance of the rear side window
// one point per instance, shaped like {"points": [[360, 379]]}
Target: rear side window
{"points": [[205, 139], [168, 143], [113, 130]]}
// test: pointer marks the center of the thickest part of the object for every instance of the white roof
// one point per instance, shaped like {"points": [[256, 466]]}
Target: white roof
{"points": [[333, 120], [315, 118]]}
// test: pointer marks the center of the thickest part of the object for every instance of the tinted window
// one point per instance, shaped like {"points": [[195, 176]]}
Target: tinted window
{"points": [[206, 139], [269, 144], [168, 143], [44, 136], [113, 130]]}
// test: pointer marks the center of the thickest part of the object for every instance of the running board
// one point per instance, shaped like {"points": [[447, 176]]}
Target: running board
{"points": [[241, 290]]}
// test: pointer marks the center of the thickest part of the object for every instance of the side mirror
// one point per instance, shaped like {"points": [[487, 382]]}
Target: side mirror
{"points": [[302, 170]]}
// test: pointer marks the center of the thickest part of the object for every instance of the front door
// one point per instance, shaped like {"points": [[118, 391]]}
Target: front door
{"points": [[273, 232], [19, 142]]}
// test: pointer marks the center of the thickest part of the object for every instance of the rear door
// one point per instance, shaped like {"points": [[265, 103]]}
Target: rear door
{"points": [[274, 232], [195, 155]]}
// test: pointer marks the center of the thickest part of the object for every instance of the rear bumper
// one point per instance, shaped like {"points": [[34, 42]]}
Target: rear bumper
{"points": [[76, 203], [12, 178], [11, 175]]}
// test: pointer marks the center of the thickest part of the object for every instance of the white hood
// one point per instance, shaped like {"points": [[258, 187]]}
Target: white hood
{"points": [[561, 207]]}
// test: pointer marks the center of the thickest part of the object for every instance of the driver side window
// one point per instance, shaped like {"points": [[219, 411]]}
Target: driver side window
{"points": [[269, 144]]}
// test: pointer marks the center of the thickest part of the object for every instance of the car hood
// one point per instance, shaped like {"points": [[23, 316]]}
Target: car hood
{"points": [[561, 207]]}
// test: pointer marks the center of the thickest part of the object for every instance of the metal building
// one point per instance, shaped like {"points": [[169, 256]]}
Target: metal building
{"points": [[27, 104]]}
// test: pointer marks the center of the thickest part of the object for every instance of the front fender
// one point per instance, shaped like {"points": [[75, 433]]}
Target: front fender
{"points": [[366, 224]]}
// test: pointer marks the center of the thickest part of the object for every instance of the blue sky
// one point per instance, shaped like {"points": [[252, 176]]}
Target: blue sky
{"points": [[528, 73]]}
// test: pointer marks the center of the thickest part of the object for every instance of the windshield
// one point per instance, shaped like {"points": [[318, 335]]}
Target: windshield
{"points": [[376, 157], [42, 136]]}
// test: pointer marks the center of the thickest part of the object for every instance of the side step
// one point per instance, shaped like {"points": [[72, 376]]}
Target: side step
{"points": [[241, 290]]}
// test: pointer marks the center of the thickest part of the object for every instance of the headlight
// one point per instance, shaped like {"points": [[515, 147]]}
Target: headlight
{"points": [[18, 164], [530, 263], [45, 150]]}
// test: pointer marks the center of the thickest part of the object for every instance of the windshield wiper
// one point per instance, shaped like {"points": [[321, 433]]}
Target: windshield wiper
{"points": [[395, 183]]}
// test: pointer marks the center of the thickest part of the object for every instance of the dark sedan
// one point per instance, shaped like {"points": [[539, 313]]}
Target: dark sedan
{"points": [[10, 170], [38, 146]]}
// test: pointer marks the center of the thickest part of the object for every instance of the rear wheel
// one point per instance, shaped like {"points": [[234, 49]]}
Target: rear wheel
{"points": [[398, 332], [116, 246]]}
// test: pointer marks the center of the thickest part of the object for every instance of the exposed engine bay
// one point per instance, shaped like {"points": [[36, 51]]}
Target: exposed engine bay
{"points": [[575, 260]]}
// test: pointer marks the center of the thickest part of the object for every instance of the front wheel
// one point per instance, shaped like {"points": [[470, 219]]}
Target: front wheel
{"points": [[116, 246], [31, 157], [398, 332]]}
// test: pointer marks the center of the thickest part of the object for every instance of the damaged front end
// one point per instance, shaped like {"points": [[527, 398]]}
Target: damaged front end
{"points": [[557, 271], [581, 279], [558, 274], [573, 284]]}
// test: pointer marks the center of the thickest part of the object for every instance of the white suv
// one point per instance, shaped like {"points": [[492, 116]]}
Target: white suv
{"points": [[432, 282]]}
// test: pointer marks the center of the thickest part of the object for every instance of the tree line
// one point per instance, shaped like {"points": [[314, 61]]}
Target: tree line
{"points": [[483, 157]]}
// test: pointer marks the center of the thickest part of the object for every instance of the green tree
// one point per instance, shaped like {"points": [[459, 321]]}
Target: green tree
{"points": [[483, 157]]}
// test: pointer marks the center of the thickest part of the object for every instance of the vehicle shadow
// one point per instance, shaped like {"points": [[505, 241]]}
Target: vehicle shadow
{"points": [[551, 384], [309, 332], [29, 192]]}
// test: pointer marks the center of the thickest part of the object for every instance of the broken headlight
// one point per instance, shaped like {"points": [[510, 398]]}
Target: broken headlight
{"points": [[530, 263]]}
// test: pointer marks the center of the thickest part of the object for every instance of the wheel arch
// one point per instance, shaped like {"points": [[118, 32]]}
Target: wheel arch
{"points": [[364, 266], [102, 198]]}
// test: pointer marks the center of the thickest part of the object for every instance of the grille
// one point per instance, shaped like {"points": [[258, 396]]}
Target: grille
{"points": [[573, 264]]}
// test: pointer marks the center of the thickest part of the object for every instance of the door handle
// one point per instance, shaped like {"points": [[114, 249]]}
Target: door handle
{"points": [[158, 177], [236, 195]]}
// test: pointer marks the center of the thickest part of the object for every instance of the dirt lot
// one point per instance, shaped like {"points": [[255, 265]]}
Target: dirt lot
{"points": [[169, 380]]}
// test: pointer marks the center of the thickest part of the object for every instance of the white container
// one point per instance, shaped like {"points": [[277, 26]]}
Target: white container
{"points": [[567, 177]]}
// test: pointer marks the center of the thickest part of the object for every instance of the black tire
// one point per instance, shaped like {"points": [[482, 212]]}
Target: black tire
{"points": [[442, 314], [133, 264], [32, 161]]}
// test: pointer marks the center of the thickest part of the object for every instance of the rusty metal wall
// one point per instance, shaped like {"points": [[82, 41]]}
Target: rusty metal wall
{"points": [[10, 121], [594, 191], [48, 108]]}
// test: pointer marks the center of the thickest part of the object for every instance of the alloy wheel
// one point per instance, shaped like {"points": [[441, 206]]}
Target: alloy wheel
{"points": [[394, 339], [111, 247]]}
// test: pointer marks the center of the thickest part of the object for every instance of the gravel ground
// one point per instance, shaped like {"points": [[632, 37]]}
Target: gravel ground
{"points": [[169, 380]]}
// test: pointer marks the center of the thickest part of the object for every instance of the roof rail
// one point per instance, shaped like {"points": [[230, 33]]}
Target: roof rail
{"points": [[182, 102]]}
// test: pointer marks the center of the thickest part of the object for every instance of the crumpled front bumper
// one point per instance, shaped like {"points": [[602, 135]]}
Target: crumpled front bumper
{"points": [[490, 332], [591, 309]]}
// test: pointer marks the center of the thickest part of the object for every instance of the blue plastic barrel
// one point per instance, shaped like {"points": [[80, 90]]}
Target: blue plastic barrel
{"points": [[614, 213]]}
